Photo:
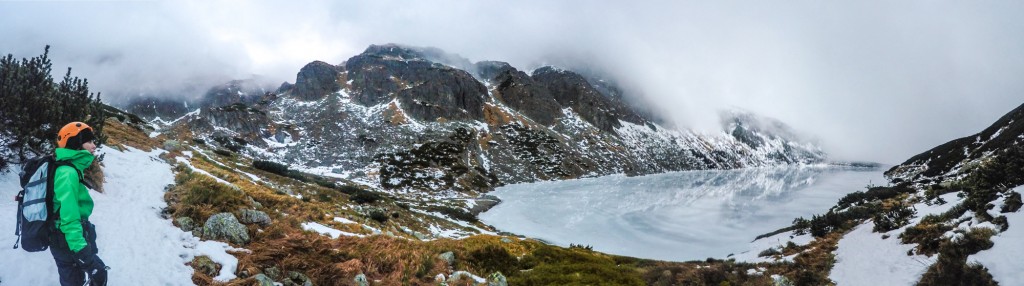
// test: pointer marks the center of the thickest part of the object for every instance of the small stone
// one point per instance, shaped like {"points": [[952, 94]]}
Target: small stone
{"points": [[496, 279], [448, 257], [264, 280], [205, 265], [361, 280], [457, 275], [420, 235], [254, 216], [185, 223], [273, 272], [506, 240], [172, 145], [254, 203], [298, 279]]}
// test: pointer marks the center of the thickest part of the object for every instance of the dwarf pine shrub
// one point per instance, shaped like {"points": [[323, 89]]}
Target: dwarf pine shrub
{"points": [[269, 166], [895, 217]]}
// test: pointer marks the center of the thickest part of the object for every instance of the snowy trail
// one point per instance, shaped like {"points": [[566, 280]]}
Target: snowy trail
{"points": [[140, 247]]}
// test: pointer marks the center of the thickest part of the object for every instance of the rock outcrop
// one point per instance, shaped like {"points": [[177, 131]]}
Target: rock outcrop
{"points": [[520, 92], [224, 226], [316, 80]]}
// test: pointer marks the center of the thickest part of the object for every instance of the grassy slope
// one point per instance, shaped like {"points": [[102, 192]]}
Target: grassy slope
{"points": [[400, 258]]}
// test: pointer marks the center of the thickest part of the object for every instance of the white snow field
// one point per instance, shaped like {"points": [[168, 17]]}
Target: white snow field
{"points": [[1005, 260], [140, 246], [677, 216]]}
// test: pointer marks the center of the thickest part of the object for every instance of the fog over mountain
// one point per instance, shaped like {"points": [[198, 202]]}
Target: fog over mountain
{"points": [[874, 80]]}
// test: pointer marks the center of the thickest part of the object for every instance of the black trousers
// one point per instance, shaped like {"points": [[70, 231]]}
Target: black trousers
{"points": [[70, 272]]}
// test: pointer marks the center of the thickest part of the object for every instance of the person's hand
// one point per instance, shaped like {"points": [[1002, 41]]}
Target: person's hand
{"points": [[89, 261]]}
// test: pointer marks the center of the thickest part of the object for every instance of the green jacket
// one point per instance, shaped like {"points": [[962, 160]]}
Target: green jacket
{"points": [[71, 198]]}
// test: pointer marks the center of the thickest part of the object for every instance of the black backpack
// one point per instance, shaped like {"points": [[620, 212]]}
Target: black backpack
{"points": [[35, 203]]}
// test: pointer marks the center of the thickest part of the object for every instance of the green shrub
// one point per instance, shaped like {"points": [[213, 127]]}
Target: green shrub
{"points": [[769, 252], [873, 194], [580, 246], [493, 258], [455, 213], [821, 225], [365, 197], [927, 236], [378, 215], [269, 166], [951, 267], [1003, 171], [1012, 203], [33, 106], [223, 152], [893, 218]]}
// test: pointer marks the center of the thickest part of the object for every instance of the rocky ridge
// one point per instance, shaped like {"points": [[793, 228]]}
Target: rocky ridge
{"points": [[949, 160], [421, 121]]}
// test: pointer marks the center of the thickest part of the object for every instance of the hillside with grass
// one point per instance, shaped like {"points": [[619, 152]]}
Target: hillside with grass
{"points": [[332, 230], [950, 215]]}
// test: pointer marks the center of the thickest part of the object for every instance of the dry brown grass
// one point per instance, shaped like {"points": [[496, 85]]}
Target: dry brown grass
{"points": [[120, 135], [812, 266], [496, 116], [95, 175], [395, 115]]}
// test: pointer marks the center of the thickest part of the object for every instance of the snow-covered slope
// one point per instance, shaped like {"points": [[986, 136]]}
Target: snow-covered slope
{"points": [[1004, 259], [140, 246]]}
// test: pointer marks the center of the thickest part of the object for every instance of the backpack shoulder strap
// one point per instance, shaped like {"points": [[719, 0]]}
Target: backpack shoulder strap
{"points": [[57, 164]]}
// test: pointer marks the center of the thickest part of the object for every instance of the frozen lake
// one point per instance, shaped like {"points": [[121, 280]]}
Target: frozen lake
{"points": [[677, 216]]}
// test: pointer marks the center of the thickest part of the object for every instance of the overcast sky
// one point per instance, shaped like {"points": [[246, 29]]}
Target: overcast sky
{"points": [[874, 80]]}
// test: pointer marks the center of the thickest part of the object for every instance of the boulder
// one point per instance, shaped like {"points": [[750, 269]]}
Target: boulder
{"points": [[224, 226], [264, 280], [448, 257], [248, 216]]}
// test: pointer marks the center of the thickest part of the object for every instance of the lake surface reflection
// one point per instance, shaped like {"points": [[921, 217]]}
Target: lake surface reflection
{"points": [[677, 216]]}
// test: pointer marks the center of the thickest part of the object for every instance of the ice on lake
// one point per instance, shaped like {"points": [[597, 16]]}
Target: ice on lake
{"points": [[676, 216]]}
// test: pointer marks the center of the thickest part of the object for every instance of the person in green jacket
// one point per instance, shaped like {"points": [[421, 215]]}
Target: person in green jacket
{"points": [[74, 244]]}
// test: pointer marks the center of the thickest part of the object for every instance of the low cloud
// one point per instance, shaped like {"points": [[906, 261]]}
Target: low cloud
{"points": [[874, 80]]}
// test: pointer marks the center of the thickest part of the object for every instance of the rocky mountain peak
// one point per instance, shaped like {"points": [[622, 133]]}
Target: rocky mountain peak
{"points": [[394, 118], [316, 80], [572, 90], [411, 53]]}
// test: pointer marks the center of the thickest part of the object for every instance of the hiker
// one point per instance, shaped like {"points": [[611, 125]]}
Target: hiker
{"points": [[73, 245]]}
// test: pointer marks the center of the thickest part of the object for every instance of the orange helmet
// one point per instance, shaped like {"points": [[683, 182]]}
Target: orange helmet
{"points": [[77, 133]]}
